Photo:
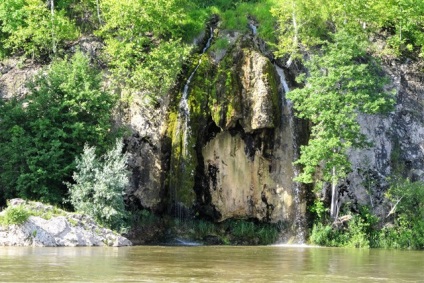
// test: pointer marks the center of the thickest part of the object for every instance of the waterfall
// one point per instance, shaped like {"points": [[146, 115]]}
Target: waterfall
{"points": [[297, 189], [283, 81], [253, 28], [184, 129], [184, 109]]}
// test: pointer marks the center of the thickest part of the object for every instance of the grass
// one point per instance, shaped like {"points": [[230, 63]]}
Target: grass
{"points": [[14, 215], [20, 213], [234, 15]]}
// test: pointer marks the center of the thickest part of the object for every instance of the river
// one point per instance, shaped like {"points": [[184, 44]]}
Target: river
{"points": [[209, 264]]}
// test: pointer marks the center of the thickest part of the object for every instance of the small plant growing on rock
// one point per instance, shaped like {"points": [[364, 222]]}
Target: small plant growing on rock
{"points": [[14, 215]]}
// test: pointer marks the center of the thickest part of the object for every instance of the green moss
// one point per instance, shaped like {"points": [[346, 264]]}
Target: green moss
{"points": [[72, 221], [224, 100], [184, 156], [273, 83], [220, 44]]}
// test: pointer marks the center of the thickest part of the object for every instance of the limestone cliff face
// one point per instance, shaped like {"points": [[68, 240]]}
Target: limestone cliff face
{"points": [[243, 177], [14, 76], [398, 140], [147, 156], [259, 92], [244, 139]]}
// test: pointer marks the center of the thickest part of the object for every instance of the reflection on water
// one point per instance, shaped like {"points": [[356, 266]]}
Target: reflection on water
{"points": [[209, 264]]}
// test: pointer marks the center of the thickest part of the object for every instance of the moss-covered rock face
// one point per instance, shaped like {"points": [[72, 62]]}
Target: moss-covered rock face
{"points": [[147, 147], [237, 160]]}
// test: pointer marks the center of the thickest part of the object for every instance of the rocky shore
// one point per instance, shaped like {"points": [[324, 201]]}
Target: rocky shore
{"points": [[47, 226]]}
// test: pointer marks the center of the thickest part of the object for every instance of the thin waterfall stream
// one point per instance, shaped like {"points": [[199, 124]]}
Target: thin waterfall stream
{"points": [[299, 214], [183, 126], [184, 109], [297, 189]]}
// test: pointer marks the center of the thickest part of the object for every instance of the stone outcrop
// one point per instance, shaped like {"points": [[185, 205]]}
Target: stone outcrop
{"points": [[147, 157], [259, 108], [14, 75], [62, 229], [242, 186], [244, 139], [397, 138]]}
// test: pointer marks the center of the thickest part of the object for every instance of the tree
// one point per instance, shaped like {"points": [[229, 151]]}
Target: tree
{"points": [[30, 26], [144, 52], [341, 83], [40, 136], [99, 186], [302, 24]]}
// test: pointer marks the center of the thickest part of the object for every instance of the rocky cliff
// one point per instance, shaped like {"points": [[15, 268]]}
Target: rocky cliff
{"points": [[242, 141], [238, 160], [397, 140], [232, 155]]}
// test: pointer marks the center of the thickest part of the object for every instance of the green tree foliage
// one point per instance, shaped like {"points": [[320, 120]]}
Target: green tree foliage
{"points": [[407, 214], [99, 186], [301, 24], [40, 136], [404, 228], [305, 23], [341, 83], [30, 26], [143, 42]]}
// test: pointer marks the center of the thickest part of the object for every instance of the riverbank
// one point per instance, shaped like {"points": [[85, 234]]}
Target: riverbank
{"points": [[28, 223]]}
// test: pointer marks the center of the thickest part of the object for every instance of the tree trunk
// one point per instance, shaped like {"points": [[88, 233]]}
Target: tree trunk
{"points": [[98, 11], [333, 208], [53, 34], [295, 36]]}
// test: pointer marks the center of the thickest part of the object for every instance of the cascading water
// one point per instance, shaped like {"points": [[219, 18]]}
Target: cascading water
{"points": [[253, 28], [184, 111], [288, 111], [183, 126], [299, 214]]}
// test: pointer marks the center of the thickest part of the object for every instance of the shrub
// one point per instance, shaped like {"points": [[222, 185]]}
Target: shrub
{"points": [[30, 27], [358, 232], [99, 186], [407, 214], [41, 136], [14, 215]]}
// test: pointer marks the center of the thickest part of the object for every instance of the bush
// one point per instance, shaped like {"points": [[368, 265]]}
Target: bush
{"points": [[325, 235], [407, 214], [29, 27], [14, 215], [99, 186], [41, 136], [358, 232]]}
